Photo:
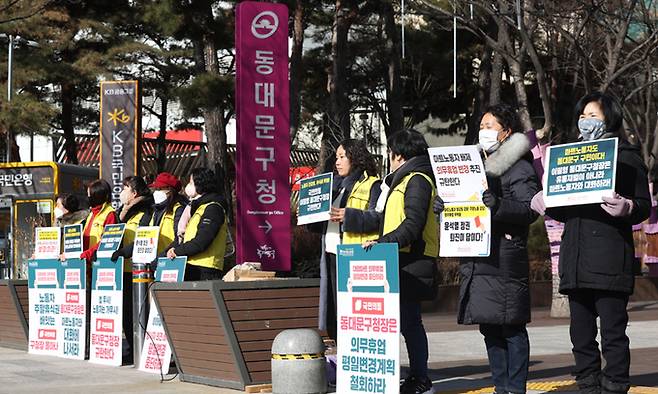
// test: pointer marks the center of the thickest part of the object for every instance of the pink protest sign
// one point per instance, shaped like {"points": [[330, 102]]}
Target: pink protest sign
{"points": [[263, 147]]}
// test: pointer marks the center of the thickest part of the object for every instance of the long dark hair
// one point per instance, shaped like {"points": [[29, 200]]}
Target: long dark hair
{"points": [[360, 159]]}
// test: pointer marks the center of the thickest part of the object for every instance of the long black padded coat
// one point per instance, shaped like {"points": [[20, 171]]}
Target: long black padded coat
{"points": [[494, 289]]}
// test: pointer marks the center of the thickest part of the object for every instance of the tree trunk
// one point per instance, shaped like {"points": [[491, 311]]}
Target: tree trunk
{"points": [[71, 148], [393, 81], [496, 78], [296, 69], [339, 102], [215, 125], [481, 100], [161, 144]]}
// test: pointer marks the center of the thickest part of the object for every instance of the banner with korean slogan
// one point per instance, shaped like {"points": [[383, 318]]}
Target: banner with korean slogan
{"points": [[368, 319], [156, 353], [459, 173], [106, 312], [47, 242], [73, 309], [465, 230], [145, 248], [580, 173], [44, 278], [315, 199], [110, 240], [73, 241]]}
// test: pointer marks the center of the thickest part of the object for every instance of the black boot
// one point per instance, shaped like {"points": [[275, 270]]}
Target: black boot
{"points": [[590, 384], [610, 387]]}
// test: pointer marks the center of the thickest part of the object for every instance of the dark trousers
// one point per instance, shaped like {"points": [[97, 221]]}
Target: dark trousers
{"points": [[197, 273], [415, 337], [586, 305], [332, 296], [508, 349], [128, 311]]}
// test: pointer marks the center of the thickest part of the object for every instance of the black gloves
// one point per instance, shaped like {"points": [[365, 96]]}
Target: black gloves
{"points": [[116, 255], [490, 200], [438, 205]]}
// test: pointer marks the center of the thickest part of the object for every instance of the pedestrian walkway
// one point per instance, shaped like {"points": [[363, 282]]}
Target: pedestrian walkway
{"points": [[457, 363]]}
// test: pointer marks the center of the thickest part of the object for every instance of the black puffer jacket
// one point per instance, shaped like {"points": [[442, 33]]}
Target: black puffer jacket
{"points": [[417, 271], [142, 204], [211, 222], [494, 289], [597, 249]]}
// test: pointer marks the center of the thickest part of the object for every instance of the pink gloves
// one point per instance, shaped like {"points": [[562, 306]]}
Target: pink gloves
{"points": [[617, 206]]}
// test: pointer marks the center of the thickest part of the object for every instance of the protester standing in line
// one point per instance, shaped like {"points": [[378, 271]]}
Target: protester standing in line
{"points": [[597, 254], [167, 210], [356, 189], [407, 221], [67, 211], [101, 214], [204, 240], [135, 211], [494, 290]]}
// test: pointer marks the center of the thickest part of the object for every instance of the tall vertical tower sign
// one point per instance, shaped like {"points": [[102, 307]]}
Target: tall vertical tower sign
{"points": [[263, 141], [120, 131]]}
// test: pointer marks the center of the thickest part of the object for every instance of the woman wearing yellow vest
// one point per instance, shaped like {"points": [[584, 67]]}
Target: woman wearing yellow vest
{"points": [[204, 240], [406, 200], [135, 211], [167, 210], [102, 214], [356, 188]]}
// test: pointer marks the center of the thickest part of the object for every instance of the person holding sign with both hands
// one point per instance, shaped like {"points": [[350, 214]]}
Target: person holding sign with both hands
{"points": [[597, 254], [494, 290]]}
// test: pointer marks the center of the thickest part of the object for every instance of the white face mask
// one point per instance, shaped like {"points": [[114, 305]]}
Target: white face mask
{"points": [[190, 190], [59, 212], [124, 196], [159, 196], [488, 140]]}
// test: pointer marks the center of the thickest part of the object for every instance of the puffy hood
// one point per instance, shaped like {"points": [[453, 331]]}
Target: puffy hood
{"points": [[510, 151]]}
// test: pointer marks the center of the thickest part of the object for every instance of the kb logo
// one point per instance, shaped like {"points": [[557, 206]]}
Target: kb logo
{"points": [[264, 24]]}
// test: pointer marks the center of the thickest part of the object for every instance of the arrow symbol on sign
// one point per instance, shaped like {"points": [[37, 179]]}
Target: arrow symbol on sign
{"points": [[267, 227]]}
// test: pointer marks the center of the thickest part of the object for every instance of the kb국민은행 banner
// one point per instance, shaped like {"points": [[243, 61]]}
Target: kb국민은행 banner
{"points": [[263, 134], [368, 359], [156, 353], [580, 173], [314, 199], [120, 130], [106, 312]]}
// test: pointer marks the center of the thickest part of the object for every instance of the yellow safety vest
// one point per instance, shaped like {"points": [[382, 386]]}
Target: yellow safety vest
{"points": [[167, 230], [213, 256], [97, 226], [359, 199], [394, 216], [129, 238]]}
